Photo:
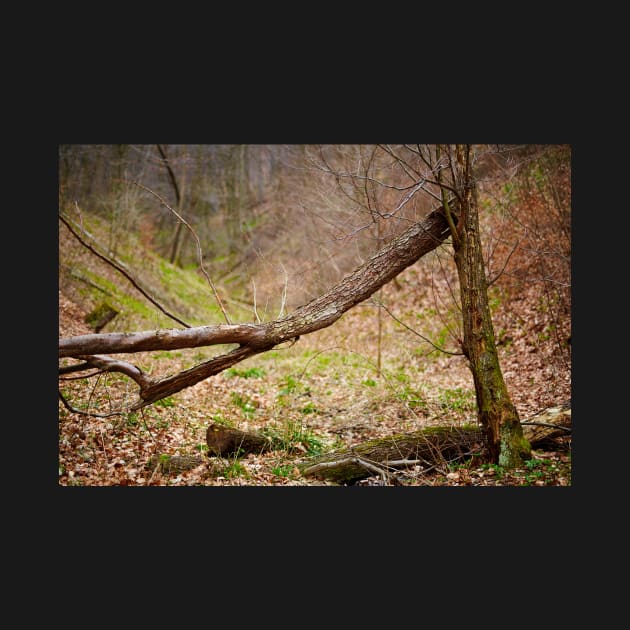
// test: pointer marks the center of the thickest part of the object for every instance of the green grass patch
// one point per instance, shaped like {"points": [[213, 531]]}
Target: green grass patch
{"points": [[412, 397], [254, 372], [457, 399], [165, 402], [283, 470], [244, 403], [219, 418], [309, 407], [234, 469], [166, 354], [293, 437]]}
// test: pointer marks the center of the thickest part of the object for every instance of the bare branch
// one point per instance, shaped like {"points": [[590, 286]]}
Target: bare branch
{"points": [[72, 409], [283, 301], [171, 174], [404, 165], [550, 425], [253, 339], [106, 364], [258, 320], [415, 332], [447, 209], [199, 254], [163, 339], [173, 384], [507, 259]]}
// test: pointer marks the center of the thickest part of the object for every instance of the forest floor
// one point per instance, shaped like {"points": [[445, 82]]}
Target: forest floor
{"points": [[332, 389]]}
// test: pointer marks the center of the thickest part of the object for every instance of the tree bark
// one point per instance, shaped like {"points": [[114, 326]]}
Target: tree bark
{"points": [[252, 339], [497, 415], [227, 442], [427, 448], [175, 249]]}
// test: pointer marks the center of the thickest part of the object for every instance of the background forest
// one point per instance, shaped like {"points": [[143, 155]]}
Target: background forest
{"points": [[247, 233]]}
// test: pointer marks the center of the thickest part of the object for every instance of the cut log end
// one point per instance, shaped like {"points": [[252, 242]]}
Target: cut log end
{"points": [[228, 442]]}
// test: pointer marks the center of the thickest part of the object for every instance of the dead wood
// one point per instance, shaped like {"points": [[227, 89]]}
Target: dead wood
{"points": [[100, 316], [425, 448], [174, 463], [403, 251], [549, 429], [227, 442], [429, 448]]}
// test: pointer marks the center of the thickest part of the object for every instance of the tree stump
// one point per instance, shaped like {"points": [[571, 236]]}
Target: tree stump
{"points": [[100, 316]]}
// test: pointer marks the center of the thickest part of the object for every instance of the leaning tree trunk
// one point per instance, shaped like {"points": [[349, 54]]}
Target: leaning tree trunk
{"points": [[497, 414], [420, 239]]}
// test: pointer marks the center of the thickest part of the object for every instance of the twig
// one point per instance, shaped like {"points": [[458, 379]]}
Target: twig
{"points": [[255, 307], [108, 364], [284, 292], [507, 259], [550, 425], [71, 409], [118, 266], [371, 467], [415, 332], [198, 243], [346, 460]]}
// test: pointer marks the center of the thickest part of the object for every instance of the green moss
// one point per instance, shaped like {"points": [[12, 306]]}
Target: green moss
{"points": [[514, 448], [97, 315]]}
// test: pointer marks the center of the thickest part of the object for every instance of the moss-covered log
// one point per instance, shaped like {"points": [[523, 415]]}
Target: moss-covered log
{"points": [[429, 447], [426, 448], [100, 316], [550, 428], [169, 464]]}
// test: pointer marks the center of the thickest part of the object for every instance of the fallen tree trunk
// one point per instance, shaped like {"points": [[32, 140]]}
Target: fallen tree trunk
{"points": [[428, 448], [169, 464], [549, 428]]}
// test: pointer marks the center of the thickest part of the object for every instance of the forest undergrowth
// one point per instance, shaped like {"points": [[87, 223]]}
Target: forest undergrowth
{"points": [[371, 374]]}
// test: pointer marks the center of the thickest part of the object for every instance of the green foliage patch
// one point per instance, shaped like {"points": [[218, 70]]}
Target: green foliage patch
{"points": [[254, 372]]}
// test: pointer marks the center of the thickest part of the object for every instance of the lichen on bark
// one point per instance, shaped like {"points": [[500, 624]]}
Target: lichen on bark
{"points": [[514, 448]]}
